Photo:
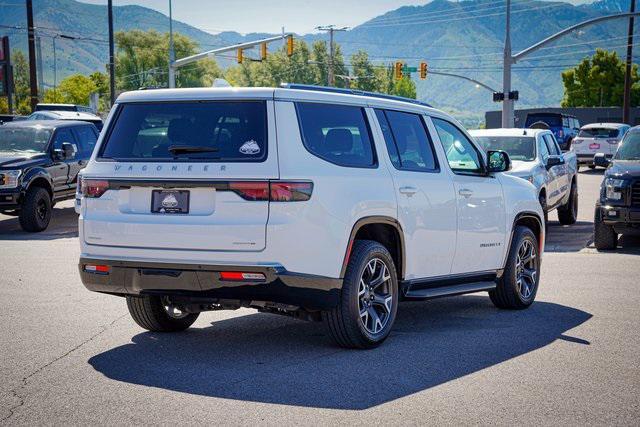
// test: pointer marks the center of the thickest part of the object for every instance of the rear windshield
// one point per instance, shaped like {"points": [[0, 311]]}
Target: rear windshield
{"points": [[599, 133], [517, 147], [550, 119], [217, 131]]}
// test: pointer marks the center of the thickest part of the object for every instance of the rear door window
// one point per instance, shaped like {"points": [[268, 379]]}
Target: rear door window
{"points": [[338, 134], [212, 131], [407, 140]]}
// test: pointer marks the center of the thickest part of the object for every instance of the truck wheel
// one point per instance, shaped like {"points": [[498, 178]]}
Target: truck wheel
{"points": [[604, 236], [369, 298], [543, 203], [35, 212], [154, 313], [568, 213], [517, 287]]}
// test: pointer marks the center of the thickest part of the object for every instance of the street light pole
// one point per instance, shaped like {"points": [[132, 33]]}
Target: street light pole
{"points": [[112, 65], [55, 66], [507, 103], [172, 53], [626, 100]]}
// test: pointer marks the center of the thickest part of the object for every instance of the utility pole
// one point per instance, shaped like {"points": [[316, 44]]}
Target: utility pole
{"points": [[507, 103], [112, 65], [55, 65], [33, 80], [39, 65], [626, 101], [172, 53], [331, 29]]}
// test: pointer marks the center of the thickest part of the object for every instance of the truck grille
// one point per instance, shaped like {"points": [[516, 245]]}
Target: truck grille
{"points": [[635, 194]]}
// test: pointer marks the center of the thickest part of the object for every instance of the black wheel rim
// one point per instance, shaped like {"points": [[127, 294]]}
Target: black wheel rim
{"points": [[375, 297], [41, 210], [526, 269]]}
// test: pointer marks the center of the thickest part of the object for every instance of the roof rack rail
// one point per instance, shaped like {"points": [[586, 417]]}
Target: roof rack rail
{"points": [[352, 92]]}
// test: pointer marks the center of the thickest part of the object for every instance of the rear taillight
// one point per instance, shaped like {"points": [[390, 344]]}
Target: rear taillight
{"points": [[93, 188], [612, 141], [289, 191], [239, 276], [576, 141], [275, 191]]}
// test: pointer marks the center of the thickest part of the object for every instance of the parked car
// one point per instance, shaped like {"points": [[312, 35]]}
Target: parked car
{"points": [[563, 126], [597, 138], [39, 164], [67, 115], [618, 209], [318, 203], [536, 157], [63, 107]]}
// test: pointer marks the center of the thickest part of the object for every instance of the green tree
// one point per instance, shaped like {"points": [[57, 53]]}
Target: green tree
{"points": [[404, 87], [599, 81], [364, 72], [74, 89], [143, 57], [21, 82]]}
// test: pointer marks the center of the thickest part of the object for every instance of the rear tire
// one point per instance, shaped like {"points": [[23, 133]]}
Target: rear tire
{"points": [[517, 287], [604, 236], [568, 213], [35, 213], [369, 298], [150, 313]]}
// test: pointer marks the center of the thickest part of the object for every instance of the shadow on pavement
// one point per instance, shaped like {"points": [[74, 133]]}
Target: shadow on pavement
{"points": [[64, 224], [568, 238], [586, 171], [270, 359]]}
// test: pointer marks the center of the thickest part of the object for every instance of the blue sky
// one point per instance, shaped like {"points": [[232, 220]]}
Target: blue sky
{"points": [[300, 16]]}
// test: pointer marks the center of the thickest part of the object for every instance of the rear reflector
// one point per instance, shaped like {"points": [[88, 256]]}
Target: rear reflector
{"points": [[93, 187], [612, 141], [100, 269], [240, 276]]}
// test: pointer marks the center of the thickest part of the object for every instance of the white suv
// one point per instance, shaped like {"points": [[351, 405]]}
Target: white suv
{"points": [[318, 203]]}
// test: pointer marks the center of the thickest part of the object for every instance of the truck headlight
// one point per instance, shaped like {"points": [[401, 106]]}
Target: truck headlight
{"points": [[10, 178], [612, 186]]}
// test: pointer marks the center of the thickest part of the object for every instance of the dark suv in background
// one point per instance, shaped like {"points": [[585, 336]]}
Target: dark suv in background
{"points": [[563, 126], [39, 165]]}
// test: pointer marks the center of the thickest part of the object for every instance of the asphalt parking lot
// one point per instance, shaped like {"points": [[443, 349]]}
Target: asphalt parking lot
{"points": [[69, 356]]}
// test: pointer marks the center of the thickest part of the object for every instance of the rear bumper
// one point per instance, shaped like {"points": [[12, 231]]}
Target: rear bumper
{"points": [[587, 158], [204, 281]]}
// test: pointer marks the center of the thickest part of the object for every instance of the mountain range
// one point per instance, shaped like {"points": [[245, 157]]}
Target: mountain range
{"points": [[465, 37]]}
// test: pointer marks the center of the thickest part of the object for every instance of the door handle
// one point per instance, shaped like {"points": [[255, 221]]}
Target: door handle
{"points": [[465, 192], [408, 191]]}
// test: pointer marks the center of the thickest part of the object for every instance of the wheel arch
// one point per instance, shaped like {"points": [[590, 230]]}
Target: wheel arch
{"points": [[38, 178], [530, 220], [384, 230]]}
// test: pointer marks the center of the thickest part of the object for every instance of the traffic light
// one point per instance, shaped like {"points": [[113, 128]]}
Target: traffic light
{"points": [[240, 55], [424, 68], [289, 45], [263, 51], [398, 70]]}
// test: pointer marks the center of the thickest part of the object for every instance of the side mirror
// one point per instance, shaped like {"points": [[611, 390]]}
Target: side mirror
{"points": [[64, 153], [499, 161], [601, 160], [553, 161]]}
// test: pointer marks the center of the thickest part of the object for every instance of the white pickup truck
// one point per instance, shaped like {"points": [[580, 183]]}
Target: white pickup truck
{"points": [[536, 157]]}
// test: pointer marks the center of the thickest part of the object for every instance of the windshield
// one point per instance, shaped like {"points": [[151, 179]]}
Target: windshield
{"points": [[215, 131], [550, 119], [599, 133], [29, 139], [629, 148], [517, 147]]}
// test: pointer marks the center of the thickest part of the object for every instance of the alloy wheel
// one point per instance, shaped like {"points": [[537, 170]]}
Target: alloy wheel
{"points": [[526, 269], [375, 298]]}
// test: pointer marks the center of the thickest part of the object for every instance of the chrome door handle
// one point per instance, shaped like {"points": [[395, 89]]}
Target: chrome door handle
{"points": [[465, 192], [408, 191]]}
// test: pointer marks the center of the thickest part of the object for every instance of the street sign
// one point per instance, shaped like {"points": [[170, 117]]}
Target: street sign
{"points": [[406, 69]]}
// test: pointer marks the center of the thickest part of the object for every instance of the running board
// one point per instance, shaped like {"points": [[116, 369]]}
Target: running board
{"points": [[449, 290]]}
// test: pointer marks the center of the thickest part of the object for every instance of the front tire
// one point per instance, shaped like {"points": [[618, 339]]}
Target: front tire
{"points": [[155, 314], [369, 298], [604, 236], [542, 198], [517, 287], [35, 213], [568, 213]]}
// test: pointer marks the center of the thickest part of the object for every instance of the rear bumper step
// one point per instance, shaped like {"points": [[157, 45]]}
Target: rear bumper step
{"points": [[267, 283]]}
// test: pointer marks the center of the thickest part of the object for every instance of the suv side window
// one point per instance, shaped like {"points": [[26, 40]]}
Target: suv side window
{"points": [[338, 134], [407, 140], [87, 139], [462, 155], [62, 136]]}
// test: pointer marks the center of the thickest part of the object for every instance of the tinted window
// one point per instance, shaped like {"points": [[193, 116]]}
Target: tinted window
{"points": [[407, 141], [87, 139], [30, 139], [336, 133], [599, 133], [461, 154], [176, 131], [550, 119], [62, 136], [518, 147], [629, 148]]}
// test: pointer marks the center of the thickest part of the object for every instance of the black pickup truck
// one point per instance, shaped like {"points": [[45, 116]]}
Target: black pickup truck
{"points": [[39, 165], [618, 209]]}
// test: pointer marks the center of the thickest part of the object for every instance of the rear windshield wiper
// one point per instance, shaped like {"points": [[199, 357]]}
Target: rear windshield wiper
{"points": [[184, 149]]}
